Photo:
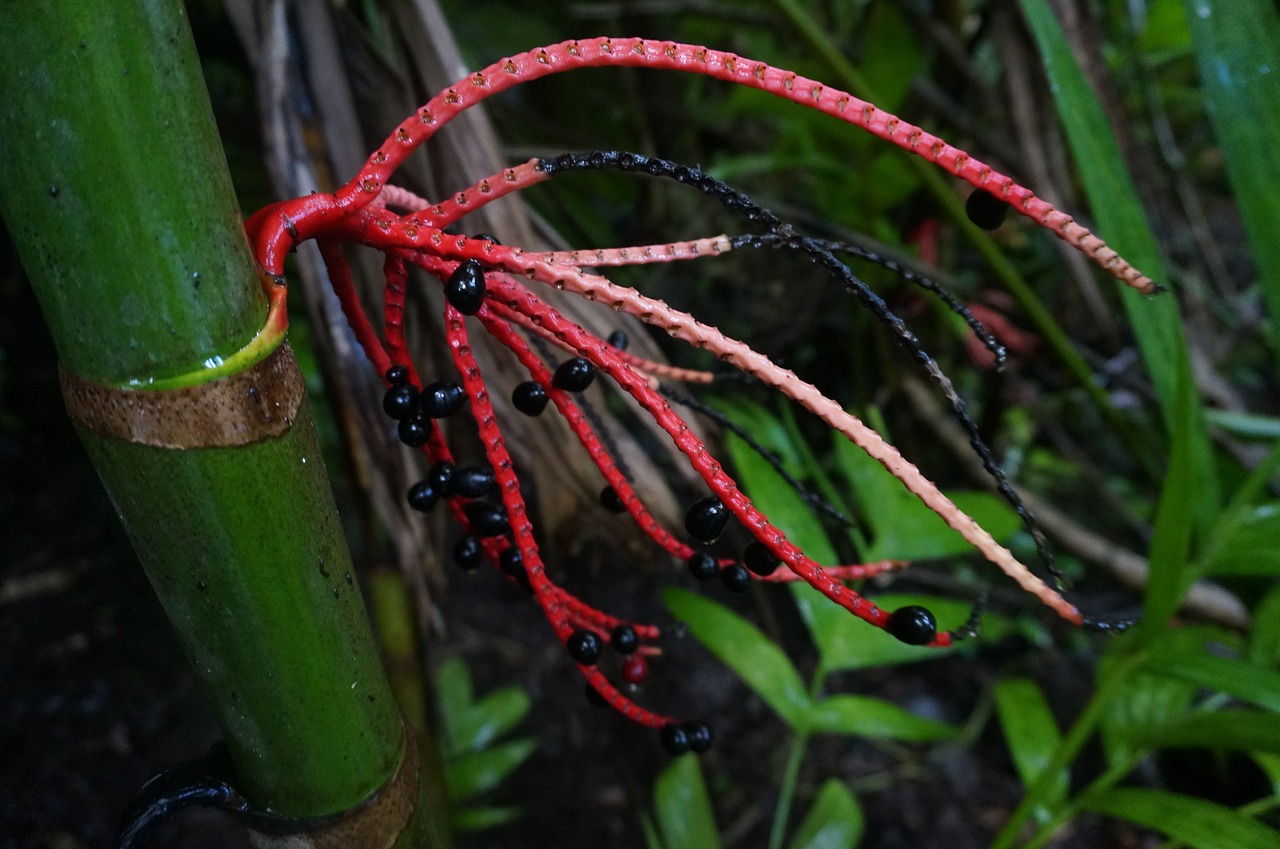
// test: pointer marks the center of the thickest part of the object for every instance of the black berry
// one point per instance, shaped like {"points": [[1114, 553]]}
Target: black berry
{"points": [[584, 647], [442, 398], [511, 562], [985, 209], [488, 520], [529, 398], [396, 375], [611, 501], [465, 287], [441, 475], [414, 431], [674, 739], [400, 402], [759, 559], [618, 339], [573, 375], [736, 578], [700, 736], [624, 639], [487, 237], [706, 519], [702, 566], [467, 552], [913, 625], [473, 482], [422, 496]]}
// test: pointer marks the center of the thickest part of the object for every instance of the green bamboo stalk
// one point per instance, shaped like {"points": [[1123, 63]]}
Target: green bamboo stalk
{"points": [[118, 198]]}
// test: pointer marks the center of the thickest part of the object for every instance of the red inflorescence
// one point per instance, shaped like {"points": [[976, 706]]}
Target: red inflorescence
{"points": [[490, 284]]}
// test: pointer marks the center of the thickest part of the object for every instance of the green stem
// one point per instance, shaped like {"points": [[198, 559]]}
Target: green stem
{"points": [[791, 772], [787, 789], [121, 208], [1063, 814]]}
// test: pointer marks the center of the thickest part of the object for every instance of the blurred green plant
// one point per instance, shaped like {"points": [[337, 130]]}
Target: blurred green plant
{"points": [[684, 819], [476, 760]]}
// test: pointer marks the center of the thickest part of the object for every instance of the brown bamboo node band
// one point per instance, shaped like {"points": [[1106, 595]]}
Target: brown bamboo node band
{"points": [[242, 408], [375, 824]]}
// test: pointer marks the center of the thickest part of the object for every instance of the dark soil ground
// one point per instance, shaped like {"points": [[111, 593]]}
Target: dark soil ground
{"points": [[95, 695]]}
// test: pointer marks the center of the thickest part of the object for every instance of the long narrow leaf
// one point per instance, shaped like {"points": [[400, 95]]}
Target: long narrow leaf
{"points": [[473, 774], [1264, 641], [1031, 733], [1122, 222], [1237, 44], [744, 649], [1248, 545], [683, 806], [1195, 822], [1251, 682], [862, 716], [1240, 730], [1171, 537], [834, 820]]}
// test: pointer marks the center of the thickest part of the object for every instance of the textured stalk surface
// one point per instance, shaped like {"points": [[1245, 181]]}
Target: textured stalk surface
{"points": [[118, 199]]}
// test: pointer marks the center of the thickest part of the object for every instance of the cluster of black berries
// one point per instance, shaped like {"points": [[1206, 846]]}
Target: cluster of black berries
{"points": [[572, 375], [414, 410], [705, 521]]}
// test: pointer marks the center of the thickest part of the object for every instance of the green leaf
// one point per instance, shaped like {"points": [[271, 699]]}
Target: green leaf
{"points": [[1122, 223], [1171, 537], [481, 818], [1264, 640], [770, 493], [903, 527], [1248, 425], [1237, 45], [1031, 732], [470, 726], [453, 696], [1242, 730], [1166, 29], [683, 807], [474, 773], [1146, 701], [862, 716], [1242, 679], [493, 716], [834, 820], [1270, 764], [846, 642], [651, 838], [1249, 544], [892, 57], [744, 649], [1195, 822]]}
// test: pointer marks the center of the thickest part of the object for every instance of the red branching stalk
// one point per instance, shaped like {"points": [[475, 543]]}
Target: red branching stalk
{"points": [[483, 279]]}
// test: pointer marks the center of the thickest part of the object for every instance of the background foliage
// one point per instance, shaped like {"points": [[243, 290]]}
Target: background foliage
{"points": [[1150, 424]]}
